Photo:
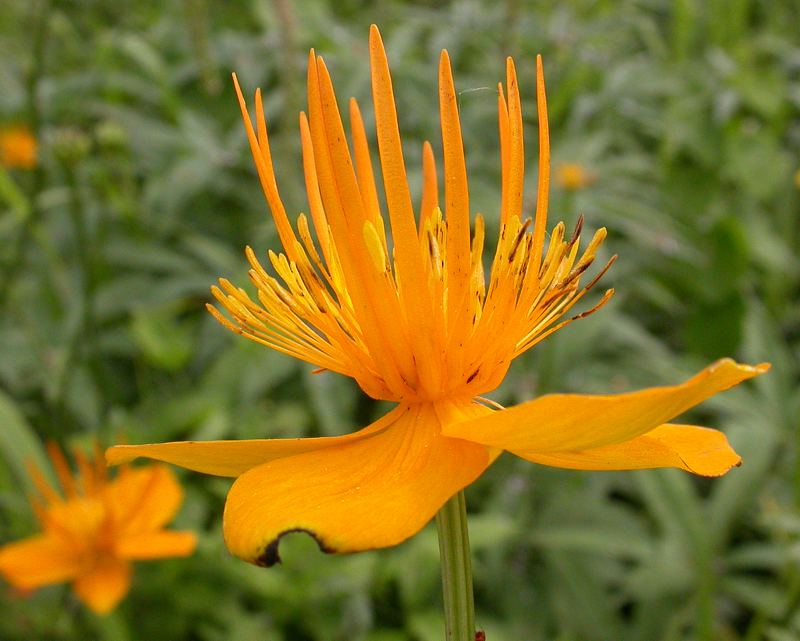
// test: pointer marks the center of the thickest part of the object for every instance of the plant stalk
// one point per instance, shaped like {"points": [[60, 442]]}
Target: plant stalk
{"points": [[459, 607]]}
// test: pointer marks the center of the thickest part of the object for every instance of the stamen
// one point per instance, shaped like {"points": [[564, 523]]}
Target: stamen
{"points": [[518, 238], [578, 228], [489, 402]]}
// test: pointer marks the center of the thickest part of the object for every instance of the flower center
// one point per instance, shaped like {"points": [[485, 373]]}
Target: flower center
{"points": [[461, 349]]}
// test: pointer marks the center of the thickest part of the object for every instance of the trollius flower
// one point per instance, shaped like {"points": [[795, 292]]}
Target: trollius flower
{"points": [[415, 320], [94, 529]]}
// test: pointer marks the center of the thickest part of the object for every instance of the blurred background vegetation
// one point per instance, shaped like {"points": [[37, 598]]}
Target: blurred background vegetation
{"points": [[676, 125]]}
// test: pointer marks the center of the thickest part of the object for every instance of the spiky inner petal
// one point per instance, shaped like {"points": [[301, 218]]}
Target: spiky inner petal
{"points": [[412, 320]]}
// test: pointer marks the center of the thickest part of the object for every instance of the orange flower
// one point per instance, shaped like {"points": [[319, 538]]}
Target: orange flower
{"points": [[573, 176], [18, 148], [415, 322], [92, 532]]}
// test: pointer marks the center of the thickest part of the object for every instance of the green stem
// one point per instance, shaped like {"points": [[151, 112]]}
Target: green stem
{"points": [[459, 608]]}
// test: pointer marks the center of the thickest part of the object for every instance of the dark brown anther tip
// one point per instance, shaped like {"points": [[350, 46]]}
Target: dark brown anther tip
{"points": [[578, 230]]}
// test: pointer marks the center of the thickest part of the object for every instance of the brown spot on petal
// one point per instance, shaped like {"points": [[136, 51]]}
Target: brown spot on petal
{"points": [[270, 556]]}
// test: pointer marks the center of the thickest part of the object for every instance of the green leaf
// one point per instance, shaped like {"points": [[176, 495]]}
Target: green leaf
{"points": [[163, 340]]}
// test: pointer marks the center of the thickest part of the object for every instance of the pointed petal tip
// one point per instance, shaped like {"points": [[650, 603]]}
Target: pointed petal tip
{"points": [[697, 450], [573, 422], [754, 370], [375, 38], [720, 471]]}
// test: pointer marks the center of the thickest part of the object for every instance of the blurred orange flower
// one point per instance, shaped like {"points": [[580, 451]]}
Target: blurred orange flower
{"points": [[18, 148], [94, 529], [573, 176]]}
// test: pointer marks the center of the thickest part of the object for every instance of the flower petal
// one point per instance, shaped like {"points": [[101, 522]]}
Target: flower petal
{"points": [[574, 422], [695, 449], [102, 587], [155, 545], [144, 499], [234, 458], [37, 561], [356, 496]]}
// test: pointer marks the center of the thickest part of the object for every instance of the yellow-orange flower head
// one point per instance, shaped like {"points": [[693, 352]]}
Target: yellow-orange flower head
{"points": [[18, 148], [415, 320], [572, 176], [92, 532]]}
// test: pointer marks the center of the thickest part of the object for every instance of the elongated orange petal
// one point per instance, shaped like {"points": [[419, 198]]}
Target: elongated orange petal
{"points": [[312, 188], [695, 449], [572, 422], [61, 468], [516, 160], [366, 177], [155, 545], [145, 499], [37, 561], [408, 255], [398, 196], [104, 585], [381, 295], [325, 182], [456, 195], [233, 458], [357, 496], [503, 126], [430, 186], [42, 484], [543, 181], [266, 174]]}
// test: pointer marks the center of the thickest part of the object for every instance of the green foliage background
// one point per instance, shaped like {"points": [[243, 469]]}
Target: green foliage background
{"points": [[688, 115]]}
